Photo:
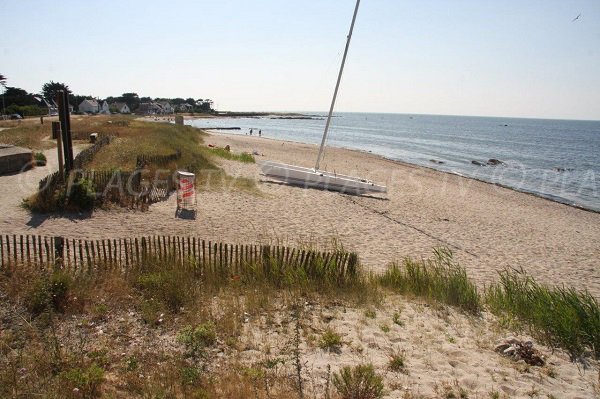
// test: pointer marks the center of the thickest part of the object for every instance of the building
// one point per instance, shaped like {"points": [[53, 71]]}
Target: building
{"points": [[149, 109], [90, 106], [185, 107], [166, 108], [121, 108], [104, 108]]}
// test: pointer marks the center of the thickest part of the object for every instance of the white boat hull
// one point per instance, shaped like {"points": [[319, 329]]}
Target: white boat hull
{"points": [[307, 177]]}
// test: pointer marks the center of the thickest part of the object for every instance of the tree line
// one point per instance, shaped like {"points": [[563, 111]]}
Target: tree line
{"points": [[18, 101]]}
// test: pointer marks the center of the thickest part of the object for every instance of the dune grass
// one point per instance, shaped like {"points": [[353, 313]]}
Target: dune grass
{"points": [[439, 279], [202, 307], [28, 134], [140, 137], [242, 157], [207, 309], [135, 137], [561, 317]]}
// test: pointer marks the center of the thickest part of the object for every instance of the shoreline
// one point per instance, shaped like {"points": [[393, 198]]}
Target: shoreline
{"points": [[488, 226], [214, 131]]}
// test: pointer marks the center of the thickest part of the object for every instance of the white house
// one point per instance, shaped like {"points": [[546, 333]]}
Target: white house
{"points": [[104, 109], [121, 108], [166, 108], [91, 106]]}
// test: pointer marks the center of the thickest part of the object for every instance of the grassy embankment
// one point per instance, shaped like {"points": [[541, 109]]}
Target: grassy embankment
{"points": [[198, 321], [139, 137], [28, 133], [133, 138]]}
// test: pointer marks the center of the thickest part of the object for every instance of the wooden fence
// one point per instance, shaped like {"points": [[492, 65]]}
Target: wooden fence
{"points": [[124, 188], [86, 156], [88, 256], [143, 159], [52, 181]]}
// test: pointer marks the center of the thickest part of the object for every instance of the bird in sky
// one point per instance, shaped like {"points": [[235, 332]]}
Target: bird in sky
{"points": [[576, 18]]}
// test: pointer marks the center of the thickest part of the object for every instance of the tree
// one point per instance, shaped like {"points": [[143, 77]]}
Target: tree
{"points": [[190, 101], [131, 99], [19, 97], [2, 80], [50, 89], [146, 99]]}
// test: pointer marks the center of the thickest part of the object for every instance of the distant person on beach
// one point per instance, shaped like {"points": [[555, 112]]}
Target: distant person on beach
{"points": [[259, 133], [250, 132]]}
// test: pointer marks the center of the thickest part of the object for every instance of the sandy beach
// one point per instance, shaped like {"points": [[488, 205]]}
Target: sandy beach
{"points": [[487, 227]]}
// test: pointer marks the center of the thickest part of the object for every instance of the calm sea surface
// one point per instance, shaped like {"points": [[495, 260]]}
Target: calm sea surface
{"points": [[556, 159]]}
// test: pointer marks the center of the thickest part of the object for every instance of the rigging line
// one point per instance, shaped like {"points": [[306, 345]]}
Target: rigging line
{"points": [[381, 213]]}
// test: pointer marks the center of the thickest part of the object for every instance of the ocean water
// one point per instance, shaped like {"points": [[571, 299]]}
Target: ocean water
{"points": [[555, 159]]}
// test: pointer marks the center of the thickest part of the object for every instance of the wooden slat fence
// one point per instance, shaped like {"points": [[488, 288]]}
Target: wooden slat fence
{"points": [[123, 187], [87, 256], [143, 159], [86, 156], [52, 181]]}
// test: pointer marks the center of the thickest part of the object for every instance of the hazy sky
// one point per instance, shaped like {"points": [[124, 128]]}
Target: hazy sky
{"points": [[498, 58]]}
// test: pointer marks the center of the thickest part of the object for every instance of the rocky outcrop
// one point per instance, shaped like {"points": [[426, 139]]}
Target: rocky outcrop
{"points": [[494, 162]]}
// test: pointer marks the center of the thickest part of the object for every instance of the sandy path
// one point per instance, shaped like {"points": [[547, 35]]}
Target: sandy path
{"points": [[487, 227]]}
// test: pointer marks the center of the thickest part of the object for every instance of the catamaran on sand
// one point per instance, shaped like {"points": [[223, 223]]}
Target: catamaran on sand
{"points": [[314, 177]]}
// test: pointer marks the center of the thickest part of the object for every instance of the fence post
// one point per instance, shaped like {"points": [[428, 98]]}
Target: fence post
{"points": [[266, 259], [59, 250]]}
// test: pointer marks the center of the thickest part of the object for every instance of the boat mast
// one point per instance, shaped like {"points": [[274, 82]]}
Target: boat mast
{"points": [[337, 86]]}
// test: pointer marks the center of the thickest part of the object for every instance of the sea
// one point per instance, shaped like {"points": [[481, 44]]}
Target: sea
{"points": [[555, 159]]}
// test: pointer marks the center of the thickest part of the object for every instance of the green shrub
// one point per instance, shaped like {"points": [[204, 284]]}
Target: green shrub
{"points": [[397, 362], [197, 339], [51, 292], [165, 286], [330, 341], [87, 380], [40, 158], [82, 195], [559, 316], [360, 382], [439, 278], [190, 375]]}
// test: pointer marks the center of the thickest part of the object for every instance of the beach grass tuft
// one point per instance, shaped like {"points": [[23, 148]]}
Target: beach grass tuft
{"points": [[439, 278], [242, 157], [359, 382], [559, 316]]}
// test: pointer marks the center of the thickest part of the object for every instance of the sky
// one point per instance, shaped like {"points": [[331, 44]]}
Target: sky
{"points": [[486, 58]]}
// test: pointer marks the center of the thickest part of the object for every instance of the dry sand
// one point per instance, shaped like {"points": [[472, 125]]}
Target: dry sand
{"points": [[486, 226]]}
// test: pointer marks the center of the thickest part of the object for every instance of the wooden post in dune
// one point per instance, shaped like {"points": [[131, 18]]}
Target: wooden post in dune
{"points": [[57, 134], [179, 120], [65, 127]]}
